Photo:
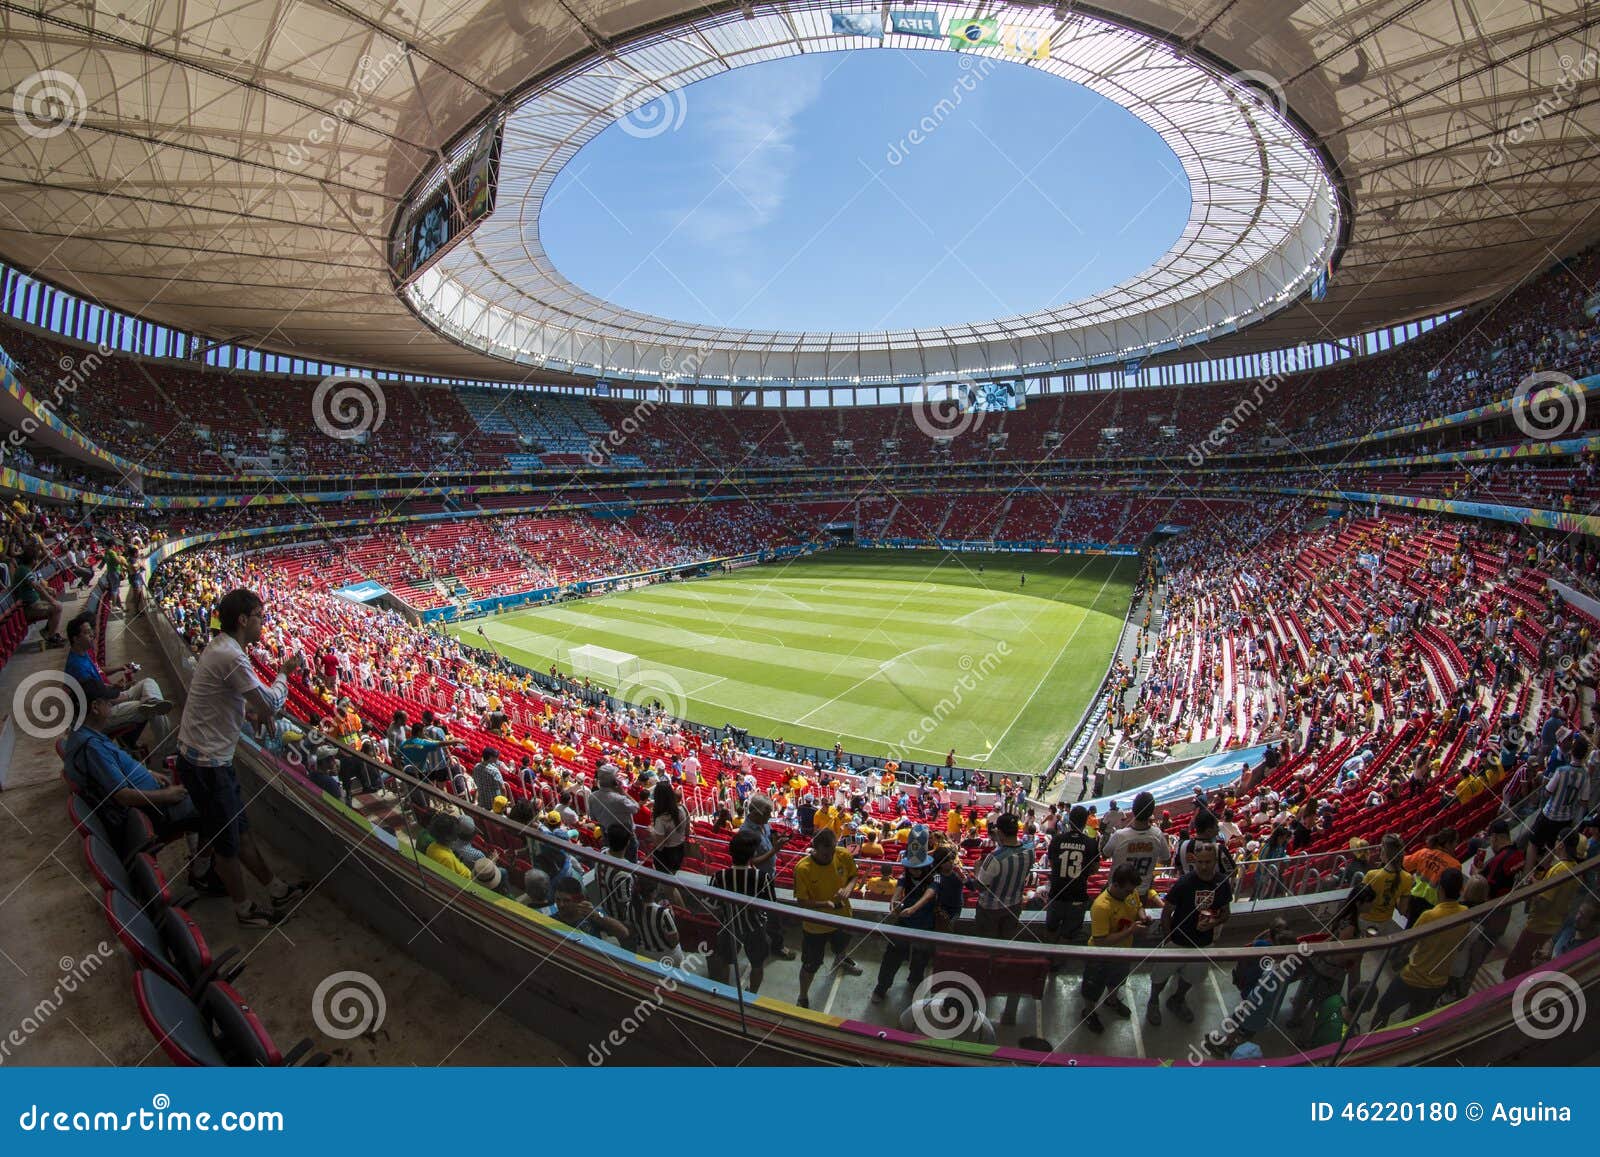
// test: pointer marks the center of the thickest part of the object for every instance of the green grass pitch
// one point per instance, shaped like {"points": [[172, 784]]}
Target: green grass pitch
{"points": [[909, 653]]}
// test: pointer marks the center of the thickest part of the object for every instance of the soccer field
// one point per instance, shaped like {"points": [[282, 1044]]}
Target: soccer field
{"points": [[911, 653]]}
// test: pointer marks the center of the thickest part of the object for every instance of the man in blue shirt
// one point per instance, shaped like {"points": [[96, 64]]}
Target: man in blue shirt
{"points": [[113, 778], [421, 755], [136, 700]]}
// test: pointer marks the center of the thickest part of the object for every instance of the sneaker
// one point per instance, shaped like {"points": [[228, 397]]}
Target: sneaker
{"points": [[1181, 1009], [1119, 1006], [847, 966], [209, 884], [157, 706], [1093, 1023], [257, 917], [1152, 1014], [803, 1001], [784, 954], [56, 640], [297, 892], [879, 996]]}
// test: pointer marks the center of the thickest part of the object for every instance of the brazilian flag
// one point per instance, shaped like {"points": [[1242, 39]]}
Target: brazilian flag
{"points": [[978, 32]]}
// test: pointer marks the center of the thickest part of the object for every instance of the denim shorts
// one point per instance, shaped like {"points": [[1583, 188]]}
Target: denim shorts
{"points": [[216, 796]]}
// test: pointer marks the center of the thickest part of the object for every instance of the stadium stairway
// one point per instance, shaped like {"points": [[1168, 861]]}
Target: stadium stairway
{"points": [[53, 912]]}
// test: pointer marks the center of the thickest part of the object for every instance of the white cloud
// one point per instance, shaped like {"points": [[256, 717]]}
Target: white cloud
{"points": [[749, 138]]}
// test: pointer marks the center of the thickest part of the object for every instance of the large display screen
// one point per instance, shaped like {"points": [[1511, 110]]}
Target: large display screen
{"points": [[452, 209], [995, 397]]}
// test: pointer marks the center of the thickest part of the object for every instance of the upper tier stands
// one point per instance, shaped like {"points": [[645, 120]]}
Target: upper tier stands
{"points": [[166, 416]]}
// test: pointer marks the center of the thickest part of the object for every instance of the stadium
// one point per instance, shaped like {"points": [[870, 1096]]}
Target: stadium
{"points": [[1002, 535]]}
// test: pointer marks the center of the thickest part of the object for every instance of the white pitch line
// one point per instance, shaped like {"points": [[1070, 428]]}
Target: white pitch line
{"points": [[1039, 686]]}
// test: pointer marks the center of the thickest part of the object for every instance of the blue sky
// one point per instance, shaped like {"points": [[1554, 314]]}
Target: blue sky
{"points": [[793, 195]]}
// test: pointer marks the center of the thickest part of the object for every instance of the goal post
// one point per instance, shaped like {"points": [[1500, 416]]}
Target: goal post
{"points": [[602, 665]]}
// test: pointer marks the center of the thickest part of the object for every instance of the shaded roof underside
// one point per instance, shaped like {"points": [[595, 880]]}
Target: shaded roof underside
{"points": [[237, 167]]}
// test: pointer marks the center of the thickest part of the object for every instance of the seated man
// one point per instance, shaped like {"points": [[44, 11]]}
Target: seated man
{"points": [[572, 908], [137, 700], [38, 604], [113, 780]]}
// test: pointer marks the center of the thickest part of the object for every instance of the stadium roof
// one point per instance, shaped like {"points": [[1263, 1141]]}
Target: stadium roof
{"points": [[236, 170]]}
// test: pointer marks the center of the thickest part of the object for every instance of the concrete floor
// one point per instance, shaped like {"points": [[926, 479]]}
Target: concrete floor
{"points": [[51, 918]]}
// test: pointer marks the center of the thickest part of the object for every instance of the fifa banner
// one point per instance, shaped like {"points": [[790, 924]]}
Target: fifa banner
{"points": [[858, 24], [915, 22], [987, 32]]}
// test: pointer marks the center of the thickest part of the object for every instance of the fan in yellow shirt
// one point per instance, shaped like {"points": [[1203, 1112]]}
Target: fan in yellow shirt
{"points": [[823, 881], [880, 887], [1384, 886], [1427, 970], [1547, 911]]}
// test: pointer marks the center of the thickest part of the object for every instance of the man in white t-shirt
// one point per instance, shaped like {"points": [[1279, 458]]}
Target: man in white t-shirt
{"points": [[1141, 844], [222, 690], [691, 770]]}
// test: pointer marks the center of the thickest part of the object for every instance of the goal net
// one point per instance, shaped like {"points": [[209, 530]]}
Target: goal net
{"points": [[608, 667]]}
